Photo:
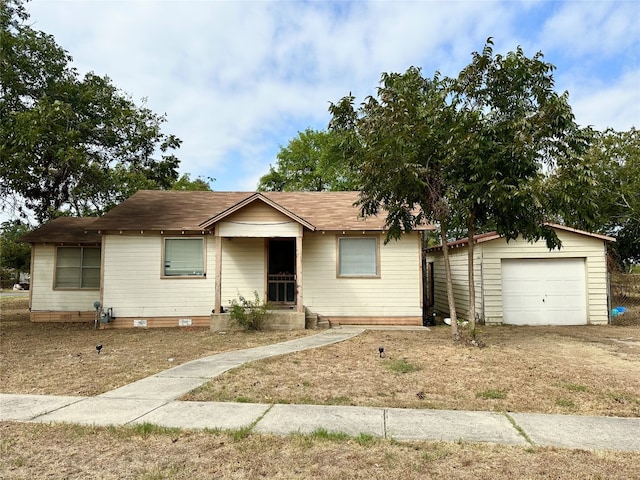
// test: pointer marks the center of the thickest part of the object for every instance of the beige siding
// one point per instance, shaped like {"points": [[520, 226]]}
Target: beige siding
{"points": [[243, 268], [489, 256], [395, 294], [460, 280], [43, 296], [258, 220], [133, 285]]}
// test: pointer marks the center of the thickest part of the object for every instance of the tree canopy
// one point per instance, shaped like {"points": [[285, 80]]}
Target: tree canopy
{"points": [[15, 257], [472, 151], [310, 162], [70, 144], [615, 160], [398, 144]]}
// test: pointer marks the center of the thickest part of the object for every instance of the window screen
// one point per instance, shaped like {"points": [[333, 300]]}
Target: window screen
{"points": [[78, 267], [183, 257], [358, 257]]}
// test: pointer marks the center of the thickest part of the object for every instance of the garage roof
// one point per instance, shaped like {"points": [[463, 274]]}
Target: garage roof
{"points": [[486, 237]]}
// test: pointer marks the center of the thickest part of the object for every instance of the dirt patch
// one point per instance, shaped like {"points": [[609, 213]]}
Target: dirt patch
{"points": [[75, 452], [61, 359]]}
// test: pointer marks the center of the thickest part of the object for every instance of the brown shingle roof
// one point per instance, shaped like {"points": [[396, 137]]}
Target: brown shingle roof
{"points": [[178, 210], [64, 230], [487, 237]]}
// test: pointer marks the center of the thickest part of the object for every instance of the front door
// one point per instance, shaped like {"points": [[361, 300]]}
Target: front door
{"points": [[281, 274]]}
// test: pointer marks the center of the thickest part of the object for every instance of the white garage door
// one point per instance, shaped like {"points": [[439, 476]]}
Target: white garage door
{"points": [[544, 291]]}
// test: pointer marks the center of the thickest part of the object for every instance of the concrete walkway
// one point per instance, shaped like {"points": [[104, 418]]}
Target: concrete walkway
{"points": [[153, 400]]}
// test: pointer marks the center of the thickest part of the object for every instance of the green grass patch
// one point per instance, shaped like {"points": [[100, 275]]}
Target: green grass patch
{"points": [[401, 365], [566, 403], [241, 433], [492, 394], [623, 397], [574, 387], [146, 429], [340, 400], [324, 434], [520, 430], [365, 439], [244, 400]]}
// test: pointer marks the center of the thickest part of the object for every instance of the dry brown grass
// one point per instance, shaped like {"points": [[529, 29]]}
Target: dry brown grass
{"points": [[61, 359], [571, 370], [596, 368], [577, 370], [74, 452]]}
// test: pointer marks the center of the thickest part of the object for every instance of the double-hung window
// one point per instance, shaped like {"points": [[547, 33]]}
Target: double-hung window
{"points": [[358, 257], [183, 257], [78, 267]]}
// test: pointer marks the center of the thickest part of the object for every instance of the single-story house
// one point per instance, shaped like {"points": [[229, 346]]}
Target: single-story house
{"points": [[170, 258], [524, 283]]}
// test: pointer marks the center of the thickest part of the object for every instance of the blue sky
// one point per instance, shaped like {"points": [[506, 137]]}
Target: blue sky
{"points": [[237, 80]]}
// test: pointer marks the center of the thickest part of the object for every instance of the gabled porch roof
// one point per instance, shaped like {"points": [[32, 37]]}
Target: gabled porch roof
{"points": [[256, 197]]}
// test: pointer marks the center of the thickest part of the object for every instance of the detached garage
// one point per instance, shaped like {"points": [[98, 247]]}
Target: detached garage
{"points": [[523, 283]]}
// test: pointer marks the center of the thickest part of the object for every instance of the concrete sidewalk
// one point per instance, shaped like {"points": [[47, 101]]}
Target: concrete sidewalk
{"points": [[153, 400]]}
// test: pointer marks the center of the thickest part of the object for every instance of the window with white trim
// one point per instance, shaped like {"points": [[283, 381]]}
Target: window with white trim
{"points": [[358, 257], [183, 257], [78, 267]]}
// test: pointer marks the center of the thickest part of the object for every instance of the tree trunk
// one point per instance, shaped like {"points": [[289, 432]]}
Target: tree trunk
{"points": [[447, 268], [425, 278], [472, 285]]}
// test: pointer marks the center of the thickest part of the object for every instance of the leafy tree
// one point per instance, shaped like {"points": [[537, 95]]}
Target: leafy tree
{"points": [[512, 128], [398, 144], [15, 257], [71, 144], [186, 184], [615, 160], [472, 152], [310, 162]]}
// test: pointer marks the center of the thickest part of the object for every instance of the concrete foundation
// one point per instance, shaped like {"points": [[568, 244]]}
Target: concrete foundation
{"points": [[278, 320]]}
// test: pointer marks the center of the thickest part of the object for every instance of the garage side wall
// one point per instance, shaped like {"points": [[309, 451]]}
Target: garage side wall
{"points": [[488, 273], [458, 258]]}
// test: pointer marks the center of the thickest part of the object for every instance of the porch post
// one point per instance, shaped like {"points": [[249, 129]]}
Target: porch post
{"points": [[218, 294], [299, 304]]}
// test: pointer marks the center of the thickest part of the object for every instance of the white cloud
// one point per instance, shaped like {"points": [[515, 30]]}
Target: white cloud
{"points": [[615, 105], [239, 79], [593, 27]]}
